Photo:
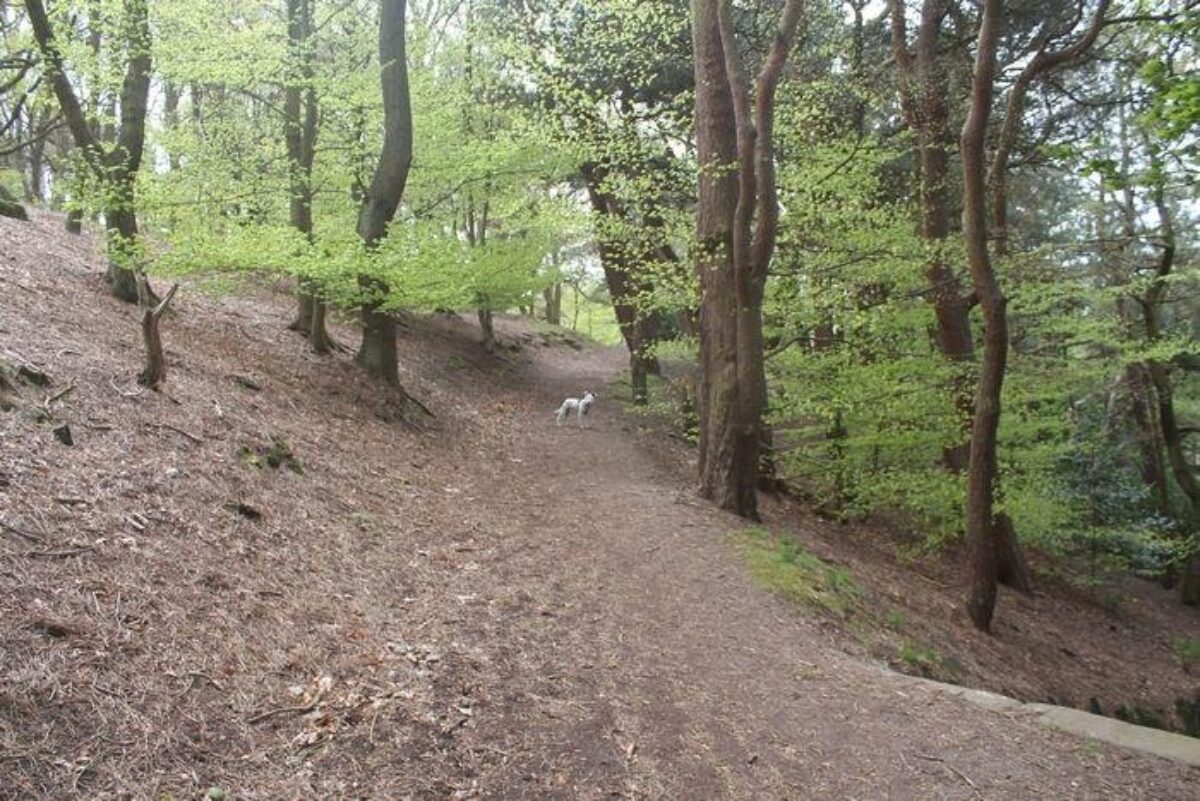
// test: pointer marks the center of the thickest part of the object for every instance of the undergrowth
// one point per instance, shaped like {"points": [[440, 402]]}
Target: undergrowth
{"points": [[785, 567]]}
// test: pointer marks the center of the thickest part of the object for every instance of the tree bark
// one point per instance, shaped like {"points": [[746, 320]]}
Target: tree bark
{"points": [[736, 226], [486, 328], [300, 136], [982, 469], [156, 364], [923, 93], [1011, 569], [553, 297], [377, 353]]}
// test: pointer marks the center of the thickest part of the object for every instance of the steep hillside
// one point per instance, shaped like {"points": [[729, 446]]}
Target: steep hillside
{"points": [[259, 581]]}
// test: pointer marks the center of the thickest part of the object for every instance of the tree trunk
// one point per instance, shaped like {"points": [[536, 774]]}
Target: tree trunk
{"points": [[625, 281], [924, 85], [982, 470], [736, 225], [318, 334], [1152, 465], [486, 329], [553, 297], [118, 167], [156, 364], [304, 309], [377, 353], [121, 229], [1172, 436], [300, 136], [1011, 570], [716, 143]]}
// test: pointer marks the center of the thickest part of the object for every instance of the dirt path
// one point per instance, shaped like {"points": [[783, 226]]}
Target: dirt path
{"points": [[637, 660]]}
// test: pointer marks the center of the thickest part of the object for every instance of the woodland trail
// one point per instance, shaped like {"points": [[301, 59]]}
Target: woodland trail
{"points": [[492, 608], [663, 672]]}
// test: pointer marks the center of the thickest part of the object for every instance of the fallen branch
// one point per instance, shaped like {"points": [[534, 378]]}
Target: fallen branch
{"points": [[287, 710], [62, 553], [177, 430], [411, 399], [951, 768], [34, 538]]}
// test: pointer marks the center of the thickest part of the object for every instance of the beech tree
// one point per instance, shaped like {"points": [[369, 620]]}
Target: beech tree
{"points": [[377, 353], [113, 164], [301, 116]]}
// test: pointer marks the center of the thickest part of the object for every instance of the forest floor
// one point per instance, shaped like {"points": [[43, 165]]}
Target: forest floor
{"points": [[481, 605]]}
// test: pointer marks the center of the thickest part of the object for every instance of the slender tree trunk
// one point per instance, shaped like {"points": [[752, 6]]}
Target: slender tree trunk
{"points": [[553, 297], [156, 363], [1172, 436], [1043, 62], [300, 135], [377, 354], [982, 470]]}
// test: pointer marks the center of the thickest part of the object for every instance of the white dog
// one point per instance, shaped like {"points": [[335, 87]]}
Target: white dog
{"points": [[580, 406]]}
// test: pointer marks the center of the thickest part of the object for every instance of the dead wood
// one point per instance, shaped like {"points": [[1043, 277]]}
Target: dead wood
{"points": [[156, 366]]}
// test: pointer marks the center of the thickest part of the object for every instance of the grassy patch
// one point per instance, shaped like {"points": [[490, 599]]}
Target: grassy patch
{"points": [[786, 568], [922, 659], [1188, 651], [894, 619]]}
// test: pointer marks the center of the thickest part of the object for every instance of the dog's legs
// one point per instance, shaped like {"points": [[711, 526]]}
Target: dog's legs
{"points": [[560, 414]]}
